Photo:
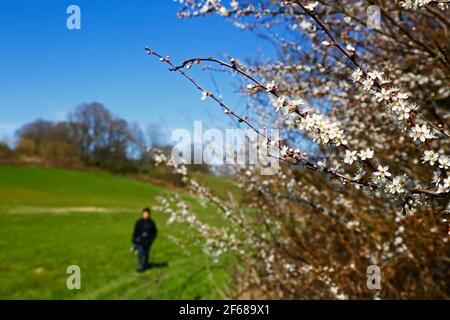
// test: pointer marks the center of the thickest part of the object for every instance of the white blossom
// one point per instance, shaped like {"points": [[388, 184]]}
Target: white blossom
{"points": [[310, 6], [322, 163], [224, 11], [322, 129], [357, 75], [383, 95], [366, 154], [205, 95], [375, 75], [271, 86], [284, 150], [421, 133], [367, 84], [402, 95], [279, 103], [350, 156], [414, 4], [398, 241], [446, 184], [430, 156], [381, 174], [444, 162], [234, 4], [350, 48], [396, 186], [404, 113]]}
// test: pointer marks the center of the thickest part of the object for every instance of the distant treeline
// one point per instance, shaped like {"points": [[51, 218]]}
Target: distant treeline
{"points": [[90, 137]]}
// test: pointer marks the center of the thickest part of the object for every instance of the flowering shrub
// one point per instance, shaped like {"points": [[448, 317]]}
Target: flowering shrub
{"points": [[369, 109]]}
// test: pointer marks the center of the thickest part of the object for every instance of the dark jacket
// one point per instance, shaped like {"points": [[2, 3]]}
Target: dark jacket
{"points": [[144, 232]]}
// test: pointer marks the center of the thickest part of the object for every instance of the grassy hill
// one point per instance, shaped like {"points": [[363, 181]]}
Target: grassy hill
{"points": [[52, 218]]}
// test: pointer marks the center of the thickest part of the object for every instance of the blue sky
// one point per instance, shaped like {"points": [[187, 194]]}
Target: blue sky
{"points": [[46, 69]]}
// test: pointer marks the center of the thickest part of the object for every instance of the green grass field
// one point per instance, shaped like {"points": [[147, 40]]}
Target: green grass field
{"points": [[52, 218]]}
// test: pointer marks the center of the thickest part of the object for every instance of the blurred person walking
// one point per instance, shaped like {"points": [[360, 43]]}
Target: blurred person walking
{"points": [[144, 234]]}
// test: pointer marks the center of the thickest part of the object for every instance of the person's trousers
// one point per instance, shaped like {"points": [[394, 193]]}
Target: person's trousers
{"points": [[143, 256]]}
